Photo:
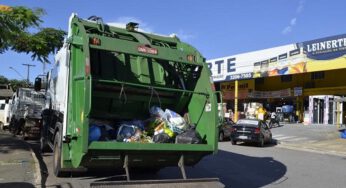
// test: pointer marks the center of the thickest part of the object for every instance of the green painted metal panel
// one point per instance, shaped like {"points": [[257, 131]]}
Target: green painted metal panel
{"points": [[129, 47], [205, 120], [78, 97], [149, 146]]}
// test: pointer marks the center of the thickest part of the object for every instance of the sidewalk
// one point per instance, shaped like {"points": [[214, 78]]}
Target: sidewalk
{"points": [[329, 141], [17, 165]]}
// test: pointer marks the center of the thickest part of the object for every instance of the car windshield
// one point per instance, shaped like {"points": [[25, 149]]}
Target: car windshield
{"points": [[248, 122]]}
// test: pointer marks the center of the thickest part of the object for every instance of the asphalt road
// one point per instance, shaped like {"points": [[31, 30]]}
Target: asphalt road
{"points": [[237, 166]]}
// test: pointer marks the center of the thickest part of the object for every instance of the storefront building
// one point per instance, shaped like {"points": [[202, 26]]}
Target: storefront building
{"points": [[306, 75]]}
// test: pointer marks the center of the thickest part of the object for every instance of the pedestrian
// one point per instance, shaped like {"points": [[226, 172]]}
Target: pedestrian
{"points": [[231, 114]]}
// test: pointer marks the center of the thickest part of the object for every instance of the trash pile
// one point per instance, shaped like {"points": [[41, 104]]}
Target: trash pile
{"points": [[162, 127]]}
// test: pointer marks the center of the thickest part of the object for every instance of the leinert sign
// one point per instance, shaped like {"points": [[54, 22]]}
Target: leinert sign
{"points": [[326, 48]]}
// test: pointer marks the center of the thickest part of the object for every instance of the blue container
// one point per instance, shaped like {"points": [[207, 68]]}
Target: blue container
{"points": [[343, 134], [287, 109], [94, 133]]}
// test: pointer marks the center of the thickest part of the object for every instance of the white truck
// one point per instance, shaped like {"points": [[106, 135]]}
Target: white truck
{"points": [[4, 114], [25, 113]]}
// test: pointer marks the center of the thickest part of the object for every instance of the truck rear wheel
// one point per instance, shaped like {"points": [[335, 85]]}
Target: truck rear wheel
{"points": [[44, 147], [43, 139], [221, 136], [57, 157]]}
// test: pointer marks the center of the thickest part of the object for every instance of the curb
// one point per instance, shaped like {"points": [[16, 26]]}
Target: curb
{"points": [[37, 174]]}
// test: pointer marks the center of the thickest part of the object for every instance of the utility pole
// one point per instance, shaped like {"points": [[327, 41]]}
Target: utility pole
{"points": [[28, 65]]}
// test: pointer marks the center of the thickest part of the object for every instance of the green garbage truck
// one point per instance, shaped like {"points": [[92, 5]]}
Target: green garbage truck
{"points": [[110, 75]]}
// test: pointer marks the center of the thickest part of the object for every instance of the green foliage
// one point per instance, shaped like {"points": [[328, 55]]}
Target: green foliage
{"points": [[18, 83], [41, 44], [3, 80], [14, 24], [14, 82]]}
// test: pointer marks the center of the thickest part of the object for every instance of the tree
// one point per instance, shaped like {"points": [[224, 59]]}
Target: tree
{"points": [[3, 80], [15, 23], [13, 82]]}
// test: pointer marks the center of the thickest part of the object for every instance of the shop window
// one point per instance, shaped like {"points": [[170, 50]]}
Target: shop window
{"points": [[286, 78], [259, 81], [317, 75]]}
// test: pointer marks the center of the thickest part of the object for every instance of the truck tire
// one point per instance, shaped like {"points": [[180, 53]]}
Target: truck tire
{"points": [[221, 136], [11, 126], [261, 142], [44, 147], [57, 157]]}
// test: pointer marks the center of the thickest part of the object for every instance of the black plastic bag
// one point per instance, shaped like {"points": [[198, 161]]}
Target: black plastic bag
{"points": [[190, 136], [161, 138]]}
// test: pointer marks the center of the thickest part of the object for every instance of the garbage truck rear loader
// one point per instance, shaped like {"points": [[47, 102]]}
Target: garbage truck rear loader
{"points": [[108, 74]]}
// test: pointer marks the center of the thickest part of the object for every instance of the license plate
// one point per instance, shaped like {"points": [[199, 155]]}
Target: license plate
{"points": [[243, 137]]}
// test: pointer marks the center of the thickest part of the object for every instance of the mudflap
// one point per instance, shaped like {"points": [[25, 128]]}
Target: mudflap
{"points": [[173, 183]]}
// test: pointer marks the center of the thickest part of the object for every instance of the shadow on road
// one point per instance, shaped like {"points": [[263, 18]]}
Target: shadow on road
{"points": [[17, 185], [234, 170], [273, 143], [8, 144]]}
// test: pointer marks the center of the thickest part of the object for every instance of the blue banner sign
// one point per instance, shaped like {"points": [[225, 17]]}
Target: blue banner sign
{"points": [[326, 48]]}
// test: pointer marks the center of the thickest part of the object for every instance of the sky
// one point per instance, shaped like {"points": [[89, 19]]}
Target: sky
{"points": [[216, 28]]}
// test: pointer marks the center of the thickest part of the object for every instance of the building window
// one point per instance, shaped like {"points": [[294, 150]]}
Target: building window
{"points": [[317, 75], [259, 81], [286, 78]]}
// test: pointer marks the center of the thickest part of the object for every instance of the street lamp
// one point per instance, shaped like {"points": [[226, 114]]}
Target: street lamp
{"points": [[27, 83], [17, 72]]}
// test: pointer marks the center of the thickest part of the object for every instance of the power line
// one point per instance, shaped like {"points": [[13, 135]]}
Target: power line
{"points": [[17, 73], [28, 65]]}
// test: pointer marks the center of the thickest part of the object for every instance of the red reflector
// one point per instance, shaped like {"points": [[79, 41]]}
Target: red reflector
{"points": [[95, 41], [147, 50], [213, 87], [257, 131], [233, 129], [191, 58]]}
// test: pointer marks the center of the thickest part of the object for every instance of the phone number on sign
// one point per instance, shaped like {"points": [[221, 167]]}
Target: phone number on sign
{"points": [[240, 76]]}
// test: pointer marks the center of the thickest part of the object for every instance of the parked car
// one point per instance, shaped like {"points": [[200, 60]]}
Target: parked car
{"points": [[225, 129], [251, 130]]}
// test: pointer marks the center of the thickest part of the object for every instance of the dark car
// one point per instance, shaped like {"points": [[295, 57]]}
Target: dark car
{"points": [[251, 130], [225, 130]]}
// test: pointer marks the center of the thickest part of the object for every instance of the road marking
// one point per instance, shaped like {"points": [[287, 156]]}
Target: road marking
{"points": [[283, 137], [299, 139], [278, 135]]}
